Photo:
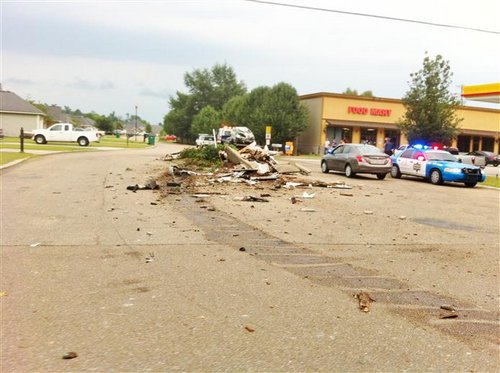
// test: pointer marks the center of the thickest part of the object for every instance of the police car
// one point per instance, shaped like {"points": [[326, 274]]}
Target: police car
{"points": [[435, 165]]}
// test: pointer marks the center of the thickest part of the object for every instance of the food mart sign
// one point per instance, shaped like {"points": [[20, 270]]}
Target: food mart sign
{"points": [[369, 111]]}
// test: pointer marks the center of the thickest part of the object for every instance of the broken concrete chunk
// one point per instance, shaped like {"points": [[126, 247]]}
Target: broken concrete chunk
{"points": [[284, 168], [364, 301], [235, 158]]}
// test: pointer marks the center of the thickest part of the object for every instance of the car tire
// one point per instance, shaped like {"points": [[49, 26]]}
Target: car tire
{"points": [[324, 167], [395, 173], [348, 171], [39, 139], [83, 141], [470, 184], [381, 176], [436, 177]]}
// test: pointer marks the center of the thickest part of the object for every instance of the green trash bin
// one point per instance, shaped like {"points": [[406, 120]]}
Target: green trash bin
{"points": [[117, 135], [151, 139]]}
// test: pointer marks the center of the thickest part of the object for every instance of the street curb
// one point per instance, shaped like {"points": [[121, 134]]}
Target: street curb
{"points": [[13, 163]]}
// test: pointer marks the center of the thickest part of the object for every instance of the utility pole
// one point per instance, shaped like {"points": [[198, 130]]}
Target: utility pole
{"points": [[135, 123]]}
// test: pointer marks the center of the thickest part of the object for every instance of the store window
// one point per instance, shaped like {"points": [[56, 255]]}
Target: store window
{"points": [[475, 143], [346, 134], [369, 136], [463, 143], [488, 144]]}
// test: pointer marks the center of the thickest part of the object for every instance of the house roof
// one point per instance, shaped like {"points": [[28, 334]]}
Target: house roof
{"points": [[57, 114], [12, 103]]}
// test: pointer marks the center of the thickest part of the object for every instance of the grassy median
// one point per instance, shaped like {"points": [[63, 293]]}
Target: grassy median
{"points": [[6, 157], [492, 181], [106, 141]]}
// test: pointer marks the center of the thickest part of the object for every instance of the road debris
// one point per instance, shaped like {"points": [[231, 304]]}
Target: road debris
{"points": [[450, 314], [150, 185], [249, 329], [364, 301], [251, 199], [307, 209], [69, 355], [306, 195], [35, 244], [368, 212], [150, 257], [345, 194]]}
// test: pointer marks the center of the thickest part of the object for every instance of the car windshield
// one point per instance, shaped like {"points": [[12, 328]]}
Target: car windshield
{"points": [[368, 150], [441, 156]]}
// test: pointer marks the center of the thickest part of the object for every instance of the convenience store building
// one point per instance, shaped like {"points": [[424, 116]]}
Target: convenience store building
{"points": [[359, 119]]}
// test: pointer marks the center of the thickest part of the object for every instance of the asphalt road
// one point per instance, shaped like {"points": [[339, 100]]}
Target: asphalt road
{"points": [[151, 282]]}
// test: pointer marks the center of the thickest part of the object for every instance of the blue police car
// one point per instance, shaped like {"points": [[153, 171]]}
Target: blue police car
{"points": [[437, 166]]}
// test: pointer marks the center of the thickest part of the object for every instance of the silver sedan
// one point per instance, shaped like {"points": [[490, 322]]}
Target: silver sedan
{"points": [[357, 158]]}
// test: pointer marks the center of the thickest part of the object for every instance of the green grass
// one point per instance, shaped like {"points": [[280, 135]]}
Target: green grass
{"points": [[492, 181], [106, 141], [31, 145], [10, 157], [112, 141]]}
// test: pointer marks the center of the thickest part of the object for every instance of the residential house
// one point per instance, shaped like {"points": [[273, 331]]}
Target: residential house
{"points": [[16, 113]]}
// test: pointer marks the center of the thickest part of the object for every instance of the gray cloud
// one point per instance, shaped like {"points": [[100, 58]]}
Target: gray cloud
{"points": [[163, 94], [20, 81]]}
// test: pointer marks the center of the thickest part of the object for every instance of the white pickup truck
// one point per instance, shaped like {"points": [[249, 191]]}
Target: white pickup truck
{"points": [[65, 132]]}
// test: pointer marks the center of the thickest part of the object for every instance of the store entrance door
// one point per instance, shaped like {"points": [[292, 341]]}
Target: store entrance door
{"points": [[394, 135]]}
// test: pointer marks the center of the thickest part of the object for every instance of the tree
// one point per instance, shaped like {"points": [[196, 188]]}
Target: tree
{"points": [[148, 128], [206, 87], [284, 112], [213, 87], [232, 110], [353, 92], [104, 124], [278, 106], [430, 107], [178, 120], [207, 120]]}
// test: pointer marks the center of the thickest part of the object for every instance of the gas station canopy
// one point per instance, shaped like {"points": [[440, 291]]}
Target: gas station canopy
{"points": [[482, 92]]}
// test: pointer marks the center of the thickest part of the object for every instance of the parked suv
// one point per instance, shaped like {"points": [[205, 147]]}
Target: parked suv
{"points": [[204, 139]]}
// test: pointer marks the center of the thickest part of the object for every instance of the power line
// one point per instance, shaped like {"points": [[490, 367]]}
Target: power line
{"points": [[372, 16]]}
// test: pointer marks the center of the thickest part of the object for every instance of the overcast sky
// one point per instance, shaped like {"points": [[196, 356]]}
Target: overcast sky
{"points": [[110, 56]]}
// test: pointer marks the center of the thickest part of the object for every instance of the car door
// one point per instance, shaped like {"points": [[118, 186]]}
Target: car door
{"points": [[404, 162], [418, 164], [55, 133], [333, 159]]}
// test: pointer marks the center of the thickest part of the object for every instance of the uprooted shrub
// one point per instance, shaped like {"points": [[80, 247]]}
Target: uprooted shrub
{"points": [[203, 157]]}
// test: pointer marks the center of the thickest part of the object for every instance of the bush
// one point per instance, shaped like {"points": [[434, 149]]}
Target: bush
{"points": [[206, 156]]}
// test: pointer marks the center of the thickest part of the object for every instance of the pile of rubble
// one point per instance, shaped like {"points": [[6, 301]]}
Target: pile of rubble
{"points": [[251, 165]]}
